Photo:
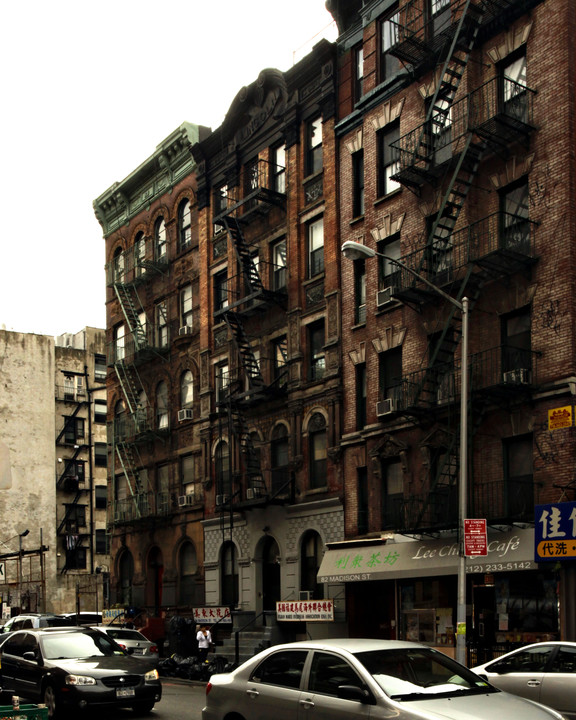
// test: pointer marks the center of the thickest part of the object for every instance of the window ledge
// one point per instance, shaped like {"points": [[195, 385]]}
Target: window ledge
{"points": [[384, 198]]}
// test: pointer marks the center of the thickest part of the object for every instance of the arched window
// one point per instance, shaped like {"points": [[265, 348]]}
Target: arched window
{"points": [[229, 574], [160, 239], [317, 450], [279, 452], [162, 406], [119, 348], [187, 569], [310, 557], [184, 225], [125, 576], [118, 265], [222, 468], [186, 390], [139, 254]]}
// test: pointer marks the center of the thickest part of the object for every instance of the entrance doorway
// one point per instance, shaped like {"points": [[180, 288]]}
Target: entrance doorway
{"points": [[270, 574], [484, 621]]}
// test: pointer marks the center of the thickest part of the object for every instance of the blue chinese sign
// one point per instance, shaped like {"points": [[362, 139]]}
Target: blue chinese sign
{"points": [[555, 532]]}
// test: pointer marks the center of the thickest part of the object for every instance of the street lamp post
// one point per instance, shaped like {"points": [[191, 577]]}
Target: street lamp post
{"points": [[357, 251]]}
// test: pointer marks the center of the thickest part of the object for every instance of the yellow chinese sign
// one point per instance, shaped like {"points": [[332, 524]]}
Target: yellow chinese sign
{"points": [[560, 418]]}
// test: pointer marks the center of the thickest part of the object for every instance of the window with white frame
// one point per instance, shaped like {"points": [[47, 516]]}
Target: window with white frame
{"points": [[315, 231], [388, 163], [160, 240], [184, 225], [279, 265], [389, 36], [279, 168], [314, 160], [161, 324], [186, 306], [162, 406], [186, 389]]}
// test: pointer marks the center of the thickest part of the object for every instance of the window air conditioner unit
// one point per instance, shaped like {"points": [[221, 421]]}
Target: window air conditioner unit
{"points": [[185, 330], [385, 407], [521, 376], [185, 414], [250, 495], [384, 297], [221, 499], [184, 500], [304, 595]]}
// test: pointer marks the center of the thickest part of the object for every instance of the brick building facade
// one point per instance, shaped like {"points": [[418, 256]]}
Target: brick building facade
{"points": [[455, 136]]}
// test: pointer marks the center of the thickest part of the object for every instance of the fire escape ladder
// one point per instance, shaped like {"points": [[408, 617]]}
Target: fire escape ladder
{"points": [[68, 462], [129, 299], [68, 512], [129, 458], [451, 74], [252, 467], [439, 504], [68, 420], [249, 362], [131, 385], [249, 270]]}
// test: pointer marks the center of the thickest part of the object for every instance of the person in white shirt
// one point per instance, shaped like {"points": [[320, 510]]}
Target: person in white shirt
{"points": [[204, 638]]}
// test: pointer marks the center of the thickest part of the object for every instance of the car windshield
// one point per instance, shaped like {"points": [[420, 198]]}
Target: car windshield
{"points": [[410, 674], [78, 645]]}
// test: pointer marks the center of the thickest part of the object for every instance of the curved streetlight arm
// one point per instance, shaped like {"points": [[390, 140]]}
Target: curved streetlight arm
{"points": [[356, 251]]}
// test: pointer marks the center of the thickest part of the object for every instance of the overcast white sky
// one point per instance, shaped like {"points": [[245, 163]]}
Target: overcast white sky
{"points": [[88, 91]]}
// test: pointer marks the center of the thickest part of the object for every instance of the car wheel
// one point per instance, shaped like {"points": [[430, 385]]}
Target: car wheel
{"points": [[143, 708], [50, 701]]}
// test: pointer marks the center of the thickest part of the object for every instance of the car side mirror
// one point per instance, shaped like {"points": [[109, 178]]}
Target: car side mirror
{"points": [[353, 692], [31, 655]]}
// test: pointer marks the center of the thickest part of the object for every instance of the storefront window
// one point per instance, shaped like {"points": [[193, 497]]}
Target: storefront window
{"points": [[426, 609]]}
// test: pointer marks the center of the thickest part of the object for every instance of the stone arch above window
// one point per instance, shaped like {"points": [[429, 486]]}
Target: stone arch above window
{"points": [[358, 356], [388, 228], [357, 143], [515, 168], [393, 337], [390, 113], [512, 41]]}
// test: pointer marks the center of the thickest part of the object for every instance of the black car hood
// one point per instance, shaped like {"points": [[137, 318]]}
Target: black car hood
{"points": [[100, 665]]}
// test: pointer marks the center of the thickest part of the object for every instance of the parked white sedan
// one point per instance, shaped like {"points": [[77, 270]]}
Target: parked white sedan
{"points": [[341, 679], [137, 644], [545, 672]]}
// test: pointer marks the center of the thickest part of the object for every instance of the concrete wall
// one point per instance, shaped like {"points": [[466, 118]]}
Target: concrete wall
{"points": [[27, 430]]}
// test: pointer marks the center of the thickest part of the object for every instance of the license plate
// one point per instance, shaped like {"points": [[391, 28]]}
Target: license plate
{"points": [[124, 692], [138, 651]]}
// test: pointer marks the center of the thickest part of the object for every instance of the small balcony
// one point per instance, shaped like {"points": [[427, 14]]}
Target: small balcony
{"points": [[430, 511], [264, 188], [137, 265], [504, 501], [499, 114], [255, 291], [142, 506]]}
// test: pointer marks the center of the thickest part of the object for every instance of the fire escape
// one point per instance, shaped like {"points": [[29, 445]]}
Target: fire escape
{"points": [[445, 153], [251, 296], [70, 477], [143, 341]]}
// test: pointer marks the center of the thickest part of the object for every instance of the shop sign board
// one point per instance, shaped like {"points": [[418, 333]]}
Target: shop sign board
{"points": [[415, 558], [559, 418], [308, 610], [212, 615], [555, 532], [475, 538]]}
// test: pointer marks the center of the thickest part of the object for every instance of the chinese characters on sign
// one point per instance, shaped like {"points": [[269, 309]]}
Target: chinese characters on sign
{"points": [[555, 532], [366, 562], [210, 615], [310, 610], [560, 418]]}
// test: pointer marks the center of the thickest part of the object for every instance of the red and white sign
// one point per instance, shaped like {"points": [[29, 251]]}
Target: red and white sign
{"points": [[309, 610], [475, 538]]}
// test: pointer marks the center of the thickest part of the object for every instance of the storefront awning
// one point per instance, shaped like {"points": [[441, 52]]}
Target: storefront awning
{"points": [[507, 552]]}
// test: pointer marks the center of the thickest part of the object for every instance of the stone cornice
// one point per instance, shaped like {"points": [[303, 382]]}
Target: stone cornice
{"points": [[171, 162]]}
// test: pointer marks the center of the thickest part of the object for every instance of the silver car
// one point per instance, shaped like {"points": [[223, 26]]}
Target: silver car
{"points": [[137, 644], [346, 678], [545, 672]]}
